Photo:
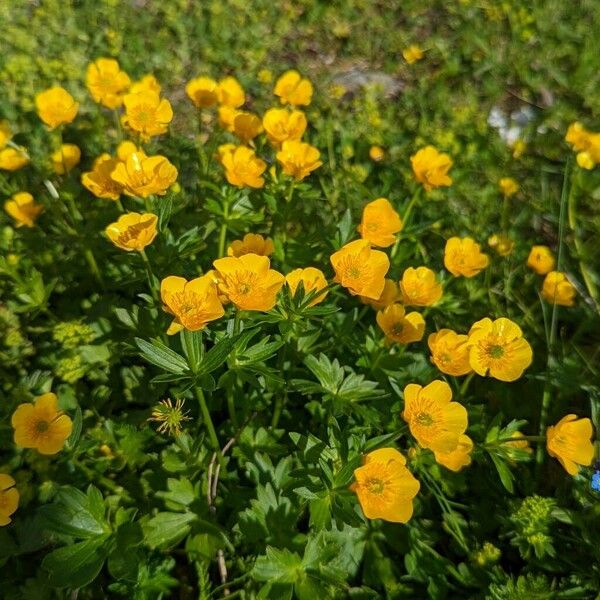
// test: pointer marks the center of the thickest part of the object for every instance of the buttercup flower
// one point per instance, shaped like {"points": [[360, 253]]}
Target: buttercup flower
{"points": [[459, 457], [431, 168], [99, 180], [498, 349], [5, 133], [244, 168], [55, 107], [360, 269], [399, 326], [508, 186], [433, 419], [541, 260], [587, 143], [253, 243], [248, 281], [226, 116], [148, 83], [501, 243], [389, 295], [450, 352], [298, 159], [246, 126], [293, 89], [144, 176], [202, 91], [463, 257], [13, 159], [223, 150], [412, 54], [282, 125], [23, 209], [106, 82], [230, 92], [376, 153], [147, 114], [577, 136], [380, 223], [385, 487], [193, 303], [312, 280], [41, 425], [519, 443], [570, 441], [9, 499], [125, 149], [557, 289], [64, 159], [420, 287], [133, 231]]}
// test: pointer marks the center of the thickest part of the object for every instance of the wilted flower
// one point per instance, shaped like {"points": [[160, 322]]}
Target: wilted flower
{"points": [[463, 257], [64, 159], [5, 133], [99, 180], [412, 54], [170, 417], [431, 168], [498, 349], [282, 125], [248, 281], [148, 83], [193, 303], [460, 457], [147, 114], [9, 499], [244, 168], [508, 186], [376, 153], [360, 269], [144, 176], [13, 159], [133, 231], [252, 243], [399, 326], [23, 209], [246, 126], [501, 243], [385, 487], [570, 441], [230, 92], [56, 106], [380, 223], [293, 89], [389, 295], [202, 91], [298, 159], [420, 287], [557, 289], [41, 425], [312, 280], [106, 82], [450, 352]]}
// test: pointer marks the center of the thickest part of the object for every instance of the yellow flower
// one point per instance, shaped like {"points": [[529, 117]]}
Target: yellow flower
{"points": [[193, 303], [459, 457], [265, 76], [541, 260], [148, 83], [508, 186], [9, 499], [5, 133], [202, 91], [126, 149], [376, 153], [518, 148], [23, 209], [41, 425], [133, 231], [585, 160], [501, 243], [498, 349], [230, 92], [464, 257], [380, 223], [433, 419], [412, 54], [226, 116], [570, 441], [389, 295], [13, 159], [298, 159], [147, 114], [248, 281], [223, 150], [144, 176], [244, 168], [557, 289], [253, 243], [106, 82], [400, 327], [450, 352], [282, 125], [431, 168], [385, 487], [360, 269], [312, 280], [65, 159], [55, 107], [99, 180], [419, 287], [293, 89], [246, 126], [577, 136]]}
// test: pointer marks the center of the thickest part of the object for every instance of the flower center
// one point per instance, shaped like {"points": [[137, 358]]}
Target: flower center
{"points": [[496, 351], [424, 419], [397, 328], [42, 426], [244, 288], [376, 486]]}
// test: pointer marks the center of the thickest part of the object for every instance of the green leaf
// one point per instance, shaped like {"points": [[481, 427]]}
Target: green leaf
{"points": [[218, 354], [167, 529], [504, 472], [191, 341], [158, 354], [76, 431], [281, 566]]}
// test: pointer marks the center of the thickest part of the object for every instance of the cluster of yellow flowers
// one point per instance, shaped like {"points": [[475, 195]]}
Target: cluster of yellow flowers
{"points": [[585, 143]]}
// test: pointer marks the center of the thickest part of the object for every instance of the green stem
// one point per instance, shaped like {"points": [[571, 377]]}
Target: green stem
{"points": [[223, 231], [405, 217], [281, 397], [120, 205], [465, 384], [231, 407], [89, 256], [118, 127], [149, 274], [208, 423]]}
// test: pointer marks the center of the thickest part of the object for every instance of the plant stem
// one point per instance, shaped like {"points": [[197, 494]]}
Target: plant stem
{"points": [[89, 256], [149, 274], [223, 232], [208, 423]]}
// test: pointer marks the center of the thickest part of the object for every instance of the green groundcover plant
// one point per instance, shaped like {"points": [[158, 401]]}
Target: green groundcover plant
{"points": [[299, 301]]}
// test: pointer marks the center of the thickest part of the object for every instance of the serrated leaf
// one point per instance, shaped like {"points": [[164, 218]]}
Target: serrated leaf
{"points": [[167, 529]]}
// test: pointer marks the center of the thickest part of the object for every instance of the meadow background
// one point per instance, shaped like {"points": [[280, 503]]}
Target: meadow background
{"points": [[497, 88]]}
